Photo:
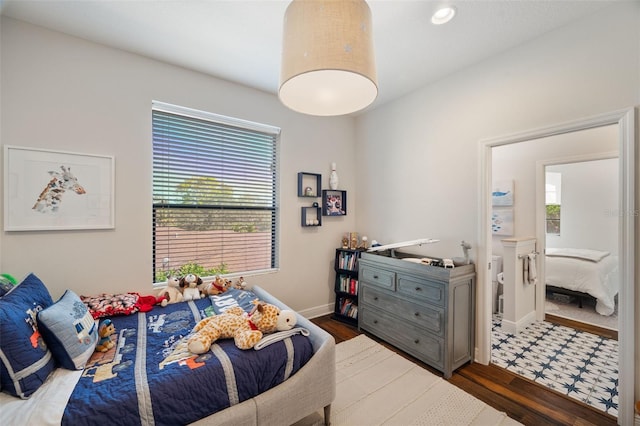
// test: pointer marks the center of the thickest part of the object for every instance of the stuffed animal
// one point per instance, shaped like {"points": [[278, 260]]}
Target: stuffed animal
{"points": [[189, 285], [217, 286], [105, 331], [171, 293], [241, 284], [246, 330]]}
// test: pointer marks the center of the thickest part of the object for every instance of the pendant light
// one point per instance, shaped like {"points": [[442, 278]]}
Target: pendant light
{"points": [[328, 64]]}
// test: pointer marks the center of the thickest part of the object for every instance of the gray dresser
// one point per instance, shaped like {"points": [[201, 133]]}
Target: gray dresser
{"points": [[426, 311]]}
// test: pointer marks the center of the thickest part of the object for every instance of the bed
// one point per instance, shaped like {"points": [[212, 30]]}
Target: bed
{"points": [[148, 379], [583, 273]]}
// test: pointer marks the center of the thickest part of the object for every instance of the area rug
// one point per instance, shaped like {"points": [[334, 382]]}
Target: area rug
{"points": [[376, 386], [586, 314]]}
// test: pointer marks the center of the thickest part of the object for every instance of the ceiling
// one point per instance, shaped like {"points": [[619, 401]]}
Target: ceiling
{"points": [[240, 40]]}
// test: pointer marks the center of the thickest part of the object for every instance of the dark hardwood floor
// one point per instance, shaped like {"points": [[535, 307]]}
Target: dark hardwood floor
{"points": [[522, 399]]}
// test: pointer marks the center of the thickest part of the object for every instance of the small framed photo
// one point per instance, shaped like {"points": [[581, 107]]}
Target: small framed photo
{"points": [[334, 203], [56, 190]]}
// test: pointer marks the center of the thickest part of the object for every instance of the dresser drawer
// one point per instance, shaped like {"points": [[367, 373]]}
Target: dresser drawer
{"points": [[380, 277], [407, 337], [421, 289], [431, 318]]}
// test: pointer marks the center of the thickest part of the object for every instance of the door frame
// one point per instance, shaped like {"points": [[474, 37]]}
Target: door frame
{"points": [[625, 119]]}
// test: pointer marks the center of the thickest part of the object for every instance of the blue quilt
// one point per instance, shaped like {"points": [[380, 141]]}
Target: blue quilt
{"points": [[150, 378]]}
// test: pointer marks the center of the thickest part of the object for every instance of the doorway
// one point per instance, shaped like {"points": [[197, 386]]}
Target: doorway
{"points": [[625, 122], [580, 200]]}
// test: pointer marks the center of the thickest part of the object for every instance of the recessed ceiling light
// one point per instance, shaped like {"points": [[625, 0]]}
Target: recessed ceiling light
{"points": [[443, 15]]}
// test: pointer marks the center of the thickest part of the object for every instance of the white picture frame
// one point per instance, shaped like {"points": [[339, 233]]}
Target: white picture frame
{"points": [[502, 222], [48, 190], [502, 193]]}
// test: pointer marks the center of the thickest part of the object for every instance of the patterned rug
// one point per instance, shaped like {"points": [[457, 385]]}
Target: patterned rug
{"points": [[376, 386], [580, 365]]}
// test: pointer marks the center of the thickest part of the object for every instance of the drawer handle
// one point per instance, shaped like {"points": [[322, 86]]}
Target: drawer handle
{"points": [[375, 298], [416, 341], [375, 277], [417, 314], [375, 321], [418, 288]]}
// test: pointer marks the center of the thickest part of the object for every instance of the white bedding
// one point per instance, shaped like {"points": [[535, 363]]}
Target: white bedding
{"points": [[44, 407], [596, 278], [584, 254]]}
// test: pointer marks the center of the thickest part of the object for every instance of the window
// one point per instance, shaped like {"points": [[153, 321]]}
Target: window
{"points": [[553, 186], [214, 194]]}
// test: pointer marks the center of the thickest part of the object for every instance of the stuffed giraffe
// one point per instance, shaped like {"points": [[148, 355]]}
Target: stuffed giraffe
{"points": [[246, 330]]}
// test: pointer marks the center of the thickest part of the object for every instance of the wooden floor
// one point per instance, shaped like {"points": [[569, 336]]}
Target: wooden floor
{"points": [[522, 399]]}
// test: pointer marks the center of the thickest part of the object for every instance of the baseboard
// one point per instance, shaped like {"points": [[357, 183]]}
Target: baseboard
{"points": [[317, 311], [516, 327]]}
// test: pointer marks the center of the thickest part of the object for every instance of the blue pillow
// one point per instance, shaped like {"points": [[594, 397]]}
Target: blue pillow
{"points": [[25, 359], [69, 330]]}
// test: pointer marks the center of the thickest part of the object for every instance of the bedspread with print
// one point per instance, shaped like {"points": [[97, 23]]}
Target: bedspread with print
{"points": [[150, 378]]}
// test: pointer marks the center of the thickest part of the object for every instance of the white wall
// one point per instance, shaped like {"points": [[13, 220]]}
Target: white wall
{"points": [[589, 209], [64, 93], [418, 157]]}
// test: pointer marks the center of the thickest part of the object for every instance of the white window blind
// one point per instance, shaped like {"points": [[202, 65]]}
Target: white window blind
{"points": [[214, 194]]}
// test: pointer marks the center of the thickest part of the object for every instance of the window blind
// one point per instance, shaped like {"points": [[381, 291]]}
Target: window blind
{"points": [[214, 194]]}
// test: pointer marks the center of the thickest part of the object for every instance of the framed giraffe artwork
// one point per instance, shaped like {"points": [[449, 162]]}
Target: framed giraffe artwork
{"points": [[57, 190]]}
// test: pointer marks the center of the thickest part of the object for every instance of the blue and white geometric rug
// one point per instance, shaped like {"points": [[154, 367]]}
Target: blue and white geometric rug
{"points": [[581, 365]]}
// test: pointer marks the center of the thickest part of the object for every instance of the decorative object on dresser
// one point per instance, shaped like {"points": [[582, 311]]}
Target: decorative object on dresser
{"points": [[346, 286], [427, 311]]}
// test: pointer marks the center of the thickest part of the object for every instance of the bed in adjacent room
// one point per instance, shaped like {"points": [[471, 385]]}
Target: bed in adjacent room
{"points": [[583, 273], [149, 377]]}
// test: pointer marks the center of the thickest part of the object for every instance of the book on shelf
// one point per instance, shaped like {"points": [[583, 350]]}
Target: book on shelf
{"points": [[348, 308], [348, 284], [348, 261]]}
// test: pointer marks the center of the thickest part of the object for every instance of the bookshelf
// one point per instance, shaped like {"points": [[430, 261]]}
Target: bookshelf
{"points": [[346, 286]]}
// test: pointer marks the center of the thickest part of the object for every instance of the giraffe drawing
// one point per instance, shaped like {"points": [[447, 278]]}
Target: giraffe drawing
{"points": [[51, 196]]}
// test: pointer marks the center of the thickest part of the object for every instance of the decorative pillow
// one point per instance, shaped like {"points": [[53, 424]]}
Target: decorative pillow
{"points": [[108, 305], [25, 359], [69, 330]]}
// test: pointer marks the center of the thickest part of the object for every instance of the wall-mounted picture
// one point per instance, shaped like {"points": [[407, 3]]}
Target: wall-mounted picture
{"points": [[56, 190], [334, 203], [502, 222], [502, 194]]}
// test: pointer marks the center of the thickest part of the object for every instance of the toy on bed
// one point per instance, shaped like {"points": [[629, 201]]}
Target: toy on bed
{"points": [[105, 331], [171, 293], [190, 287], [241, 284], [246, 330], [217, 286]]}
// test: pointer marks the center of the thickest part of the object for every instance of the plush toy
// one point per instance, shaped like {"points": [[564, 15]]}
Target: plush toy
{"points": [[217, 286], [246, 330], [171, 293], [241, 284], [105, 331], [189, 285]]}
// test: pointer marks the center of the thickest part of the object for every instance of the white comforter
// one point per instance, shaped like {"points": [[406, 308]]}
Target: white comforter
{"points": [[575, 272]]}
